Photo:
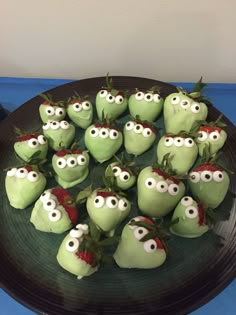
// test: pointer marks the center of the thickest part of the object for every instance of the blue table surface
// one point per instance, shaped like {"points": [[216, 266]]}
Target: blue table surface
{"points": [[16, 91]]}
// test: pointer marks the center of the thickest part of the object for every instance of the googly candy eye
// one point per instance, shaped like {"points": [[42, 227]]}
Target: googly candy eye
{"points": [[178, 142], [86, 105], [168, 141], [188, 142], [175, 100], [77, 107], [83, 227], [122, 204], [129, 125], [99, 202], [185, 104], [218, 176], [162, 186], [76, 232], [150, 182], [33, 143], [49, 110], [72, 245], [110, 98], [186, 201], [148, 97], [42, 139], [202, 136], [139, 96], [45, 196], [124, 176], [147, 132], [46, 125], [103, 93], [81, 159], [191, 212], [94, 132], [114, 134], [33, 176], [104, 133], [49, 204], [60, 112], [138, 128], [140, 232], [21, 173], [116, 170], [71, 161], [112, 202], [195, 108], [64, 124], [54, 125], [150, 246], [54, 215], [214, 136], [61, 163], [136, 219], [206, 176], [194, 177], [11, 172], [156, 98], [119, 99], [173, 189]]}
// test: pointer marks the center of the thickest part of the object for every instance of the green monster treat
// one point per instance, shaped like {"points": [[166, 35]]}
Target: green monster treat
{"points": [[191, 219], [146, 104], [158, 192], [71, 167], [59, 134], [103, 141], [138, 137], [50, 110], [27, 145], [139, 246], [125, 177], [54, 211], [110, 102], [80, 111], [182, 150], [23, 186], [209, 183], [107, 209]]}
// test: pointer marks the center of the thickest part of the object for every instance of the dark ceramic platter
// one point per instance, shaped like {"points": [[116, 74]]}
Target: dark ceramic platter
{"points": [[195, 271]]}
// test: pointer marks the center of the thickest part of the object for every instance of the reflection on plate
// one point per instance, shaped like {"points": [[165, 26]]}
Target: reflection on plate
{"points": [[195, 271]]}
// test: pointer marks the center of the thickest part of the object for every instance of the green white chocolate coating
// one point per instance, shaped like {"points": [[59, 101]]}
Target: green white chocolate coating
{"points": [[80, 112], [23, 186], [183, 152], [138, 137], [182, 112], [59, 134], [49, 111], [147, 105], [134, 253], [53, 213], [124, 177], [103, 141], [157, 192], [192, 221]]}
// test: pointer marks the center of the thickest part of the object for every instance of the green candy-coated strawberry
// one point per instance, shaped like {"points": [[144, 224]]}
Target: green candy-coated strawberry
{"points": [[80, 112], [50, 111], [124, 177]]}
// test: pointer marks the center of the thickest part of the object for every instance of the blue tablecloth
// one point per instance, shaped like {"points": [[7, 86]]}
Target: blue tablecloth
{"points": [[15, 91]]}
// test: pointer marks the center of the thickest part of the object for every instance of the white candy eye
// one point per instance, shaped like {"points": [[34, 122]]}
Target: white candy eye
{"points": [[33, 143], [86, 105], [33, 176], [148, 97], [116, 170], [186, 201], [72, 245], [81, 159], [42, 139], [46, 126], [45, 196], [168, 142], [60, 112], [99, 202], [76, 232], [173, 189], [12, 171], [119, 99], [64, 124], [184, 103], [124, 176], [71, 161], [206, 176], [156, 98], [110, 98], [140, 232], [123, 204], [94, 132], [49, 204], [54, 215], [54, 125], [83, 227], [150, 246], [77, 107], [188, 142], [195, 177], [178, 142], [103, 93], [114, 134], [147, 132], [150, 182], [191, 212], [49, 111], [61, 163], [202, 135], [139, 96], [136, 219], [218, 176], [195, 108], [112, 202], [21, 173], [214, 136], [162, 186], [175, 100], [104, 133], [138, 128], [129, 125]]}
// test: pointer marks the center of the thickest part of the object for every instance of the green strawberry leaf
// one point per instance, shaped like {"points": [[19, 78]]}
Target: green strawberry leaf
{"points": [[94, 231], [109, 241], [83, 195], [199, 85]]}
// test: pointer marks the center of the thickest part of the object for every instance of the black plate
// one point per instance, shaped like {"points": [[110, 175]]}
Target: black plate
{"points": [[196, 269]]}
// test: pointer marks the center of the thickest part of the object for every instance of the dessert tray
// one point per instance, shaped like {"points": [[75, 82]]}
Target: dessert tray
{"points": [[195, 271]]}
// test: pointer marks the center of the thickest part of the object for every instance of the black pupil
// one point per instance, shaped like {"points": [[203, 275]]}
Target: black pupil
{"points": [[220, 175], [186, 199], [22, 171], [140, 231], [104, 133], [110, 97], [54, 123], [175, 189], [113, 201], [72, 162], [178, 140], [114, 134], [174, 99], [115, 170], [34, 175], [139, 94], [126, 177], [54, 214], [152, 246], [120, 99], [137, 127], [125, 204], [197, 107], [207, 176], [148, 132], [162, 186], [167, 140], [49, 203], [128, 124], [60, 162], [71, 244], [97, 200], [215, 136], [61, 112], [77, 106], [185, 103], [191, 211], [93, 132], [148, 96], [82, 159], [49, 111], [149, 183], [34, 142]]}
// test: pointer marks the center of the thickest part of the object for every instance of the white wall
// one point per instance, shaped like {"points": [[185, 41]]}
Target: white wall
{"points": [[177, 40]]}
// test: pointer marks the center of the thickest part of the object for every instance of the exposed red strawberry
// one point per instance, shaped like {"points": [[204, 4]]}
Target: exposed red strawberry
{"points": [[88, 257], [106, 194], [148, 221], [47, 103], [207, 167], [103, 125], [165, 176], [201, 214], [27, 137], [28, 168], [210, 129], [68, 152], [159, 243]]}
